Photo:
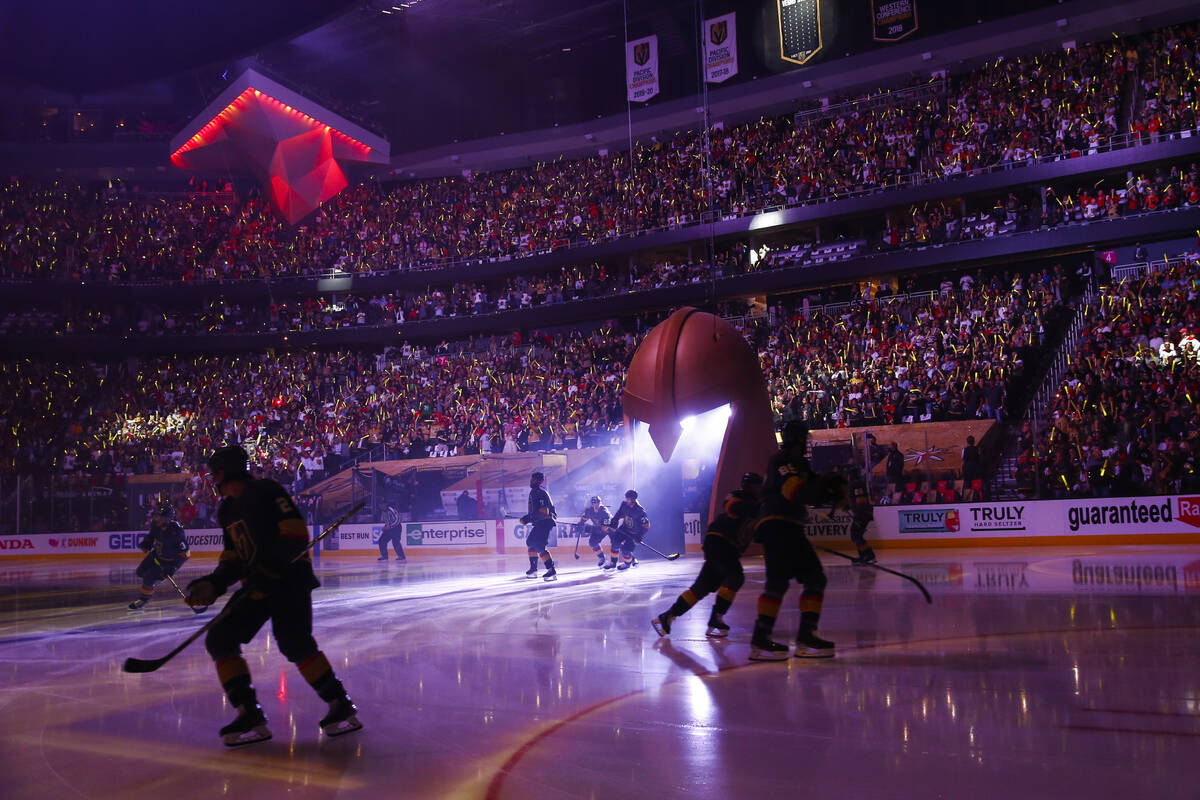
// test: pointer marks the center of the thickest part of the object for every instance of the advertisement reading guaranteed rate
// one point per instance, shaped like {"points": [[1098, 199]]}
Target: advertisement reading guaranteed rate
{"points": [[1112, 516]]}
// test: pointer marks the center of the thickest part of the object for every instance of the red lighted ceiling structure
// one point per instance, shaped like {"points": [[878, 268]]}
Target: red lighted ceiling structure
{"points": [[292, 145]]}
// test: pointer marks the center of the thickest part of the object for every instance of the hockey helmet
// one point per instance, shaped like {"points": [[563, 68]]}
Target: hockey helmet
{"points": [[631, 495], [233, 461], [595, 500], [537, 479], [164, 510]]}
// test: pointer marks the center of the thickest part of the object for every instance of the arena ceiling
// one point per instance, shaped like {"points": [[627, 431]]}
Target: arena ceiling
{"points": [[419, 72], [433, 71]]}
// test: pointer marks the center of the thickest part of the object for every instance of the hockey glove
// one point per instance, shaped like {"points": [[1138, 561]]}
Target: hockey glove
{"points": [[202, 592]]}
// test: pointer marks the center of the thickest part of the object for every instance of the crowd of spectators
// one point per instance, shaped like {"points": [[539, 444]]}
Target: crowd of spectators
{"points": [[1160, 189], [299, 412], [950, 353], [1125, 420], [1168, 62], [1057, 104], [946, 353]]}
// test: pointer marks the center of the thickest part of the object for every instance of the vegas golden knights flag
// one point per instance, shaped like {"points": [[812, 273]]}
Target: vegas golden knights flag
{"points": [[894, 19], [799, 30], [641, 68], [720, 48]]}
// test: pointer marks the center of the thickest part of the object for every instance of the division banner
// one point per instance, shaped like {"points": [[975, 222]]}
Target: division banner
{"points": [[720, 48], [641, 69], [799, 30], [894, 19]]}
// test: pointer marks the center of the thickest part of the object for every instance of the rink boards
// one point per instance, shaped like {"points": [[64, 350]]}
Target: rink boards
{"points": [[1138, 520]]}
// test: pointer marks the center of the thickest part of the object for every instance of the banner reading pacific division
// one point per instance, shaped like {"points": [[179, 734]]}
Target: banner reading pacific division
{"points": [[894, 19], [720, 48], [799, 30], [641, 68]]}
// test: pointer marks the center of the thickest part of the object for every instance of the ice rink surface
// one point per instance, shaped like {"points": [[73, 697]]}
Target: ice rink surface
{"points": [[1056, 673]]}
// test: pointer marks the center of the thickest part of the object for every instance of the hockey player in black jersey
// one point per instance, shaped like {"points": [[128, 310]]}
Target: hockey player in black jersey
{"points": [[727, 538], [166, 549], [266, 543], [594, 520], [540, 520], [849, 492], [628, 527], [790, 486]]}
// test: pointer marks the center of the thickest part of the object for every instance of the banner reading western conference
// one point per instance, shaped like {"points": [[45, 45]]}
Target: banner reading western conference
{"points": [[893, 19]]}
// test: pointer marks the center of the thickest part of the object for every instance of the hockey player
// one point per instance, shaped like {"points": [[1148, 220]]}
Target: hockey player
{"points": [[266, 549], [166, 549], [789, 487], [594, 520], [727, 538], [850, 493], [628, 526], [540, 519]]}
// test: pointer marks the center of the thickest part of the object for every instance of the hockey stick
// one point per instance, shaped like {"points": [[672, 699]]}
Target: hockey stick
{"points": [[199, 610], [654, 549], [919, 585], [576, 532], [151, 664]]}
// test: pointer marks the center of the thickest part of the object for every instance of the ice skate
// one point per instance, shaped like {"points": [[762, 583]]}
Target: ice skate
{"points": [[531, 572], [809, 645], [865, 557], [551, 573], [601, 560], [716, 626], [382, 558], [623, 565], [611, 564], [249, 727], [767, 650], [662, 624], [139, 603], [342, 718]]}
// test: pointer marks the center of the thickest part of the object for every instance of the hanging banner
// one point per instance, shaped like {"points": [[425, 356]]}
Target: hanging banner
{"points": [[641, 68], [894, 19], [799, 30], [720, 48]]}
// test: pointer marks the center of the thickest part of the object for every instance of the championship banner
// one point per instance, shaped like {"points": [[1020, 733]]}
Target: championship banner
{"points": [[894, 19], [720, 48], [641, 69], [799, 30]]}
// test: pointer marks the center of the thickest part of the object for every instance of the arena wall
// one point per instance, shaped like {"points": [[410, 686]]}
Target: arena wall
{"points": [[1173, 519]]}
